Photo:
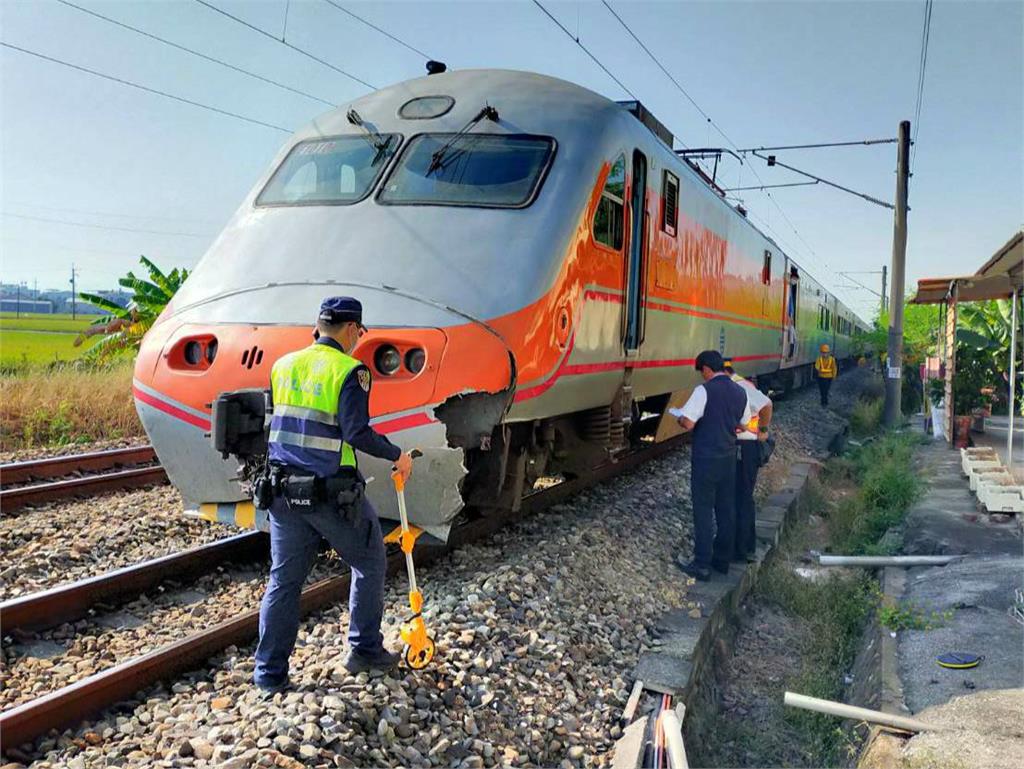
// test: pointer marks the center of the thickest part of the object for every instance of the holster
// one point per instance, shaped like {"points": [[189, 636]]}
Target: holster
{"points": [[347, 490]]}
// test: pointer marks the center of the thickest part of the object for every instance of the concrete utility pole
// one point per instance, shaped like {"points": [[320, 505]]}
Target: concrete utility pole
{"points": [[885, 276], [74, 292], [894, 372]]}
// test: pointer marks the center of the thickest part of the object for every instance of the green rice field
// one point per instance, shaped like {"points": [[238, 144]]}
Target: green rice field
{"points": [[34, 339], [40, 322]]}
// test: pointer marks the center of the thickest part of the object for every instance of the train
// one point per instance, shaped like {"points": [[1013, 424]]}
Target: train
{"points": [[538, 269]]}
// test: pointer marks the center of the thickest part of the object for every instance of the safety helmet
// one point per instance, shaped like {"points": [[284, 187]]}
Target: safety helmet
{"points": [[824, 348]]}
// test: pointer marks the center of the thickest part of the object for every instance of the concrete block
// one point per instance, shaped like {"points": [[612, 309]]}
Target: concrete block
{"points": [[628, 752], [772, 514], [662, 672]]}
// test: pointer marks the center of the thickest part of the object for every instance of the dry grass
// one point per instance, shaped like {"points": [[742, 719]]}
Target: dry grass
{"points": [[58, 406]]}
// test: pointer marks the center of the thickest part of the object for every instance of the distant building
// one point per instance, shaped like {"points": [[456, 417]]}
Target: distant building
{"points": [[11, 304]]}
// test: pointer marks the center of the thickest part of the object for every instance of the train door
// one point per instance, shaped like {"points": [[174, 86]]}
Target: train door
{"points": [[791, 309], [636, 261]]}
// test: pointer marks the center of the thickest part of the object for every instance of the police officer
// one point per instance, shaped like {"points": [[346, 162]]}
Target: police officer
{"points": [[714, 412], [321, 417], [750, 438], [825, 371]]}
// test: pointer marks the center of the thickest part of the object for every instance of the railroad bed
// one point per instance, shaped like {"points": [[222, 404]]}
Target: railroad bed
{"points": [[537, 628]]}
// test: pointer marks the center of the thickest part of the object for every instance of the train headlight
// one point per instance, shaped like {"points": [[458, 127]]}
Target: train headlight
{"points": [[193, 353], [414, 360], [387, 359], [211, 351]]}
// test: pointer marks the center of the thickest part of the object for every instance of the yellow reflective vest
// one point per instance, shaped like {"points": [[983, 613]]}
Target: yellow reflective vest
{"points": [[825, 365]]}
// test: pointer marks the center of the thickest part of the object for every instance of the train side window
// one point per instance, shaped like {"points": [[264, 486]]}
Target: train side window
{"points": [[670, 203], [609, 219], [766, 270]]}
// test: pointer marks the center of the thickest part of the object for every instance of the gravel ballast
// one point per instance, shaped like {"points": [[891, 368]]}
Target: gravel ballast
{"points": [[538, 629], [61, 542]]}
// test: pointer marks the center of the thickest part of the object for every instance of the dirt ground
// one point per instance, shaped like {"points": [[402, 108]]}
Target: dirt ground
{"points": [[983, 730]]}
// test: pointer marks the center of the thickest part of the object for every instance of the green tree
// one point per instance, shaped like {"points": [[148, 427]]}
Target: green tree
{"points": [[124, 327]]}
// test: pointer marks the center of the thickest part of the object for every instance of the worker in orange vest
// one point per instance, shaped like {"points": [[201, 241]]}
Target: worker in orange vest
{"points": [[825, 370]]}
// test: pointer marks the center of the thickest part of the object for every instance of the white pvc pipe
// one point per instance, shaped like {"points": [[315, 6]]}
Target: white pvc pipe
{"points": [[861, 714], [674, 746], [887, 560]]}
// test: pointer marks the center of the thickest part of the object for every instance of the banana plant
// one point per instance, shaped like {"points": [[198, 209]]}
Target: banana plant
{"points": [[124, 327]]}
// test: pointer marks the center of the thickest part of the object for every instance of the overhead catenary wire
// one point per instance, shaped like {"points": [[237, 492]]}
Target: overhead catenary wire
{"points": [[863, 195], [862, 142], [53, 220], [711, 123], [193, 52], [88, 212], [921, 70], [585, 50], [145, 88], [285, 43], [384, 32]]}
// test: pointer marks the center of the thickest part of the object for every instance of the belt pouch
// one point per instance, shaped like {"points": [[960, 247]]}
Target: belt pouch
{"points": [[300, 492]]}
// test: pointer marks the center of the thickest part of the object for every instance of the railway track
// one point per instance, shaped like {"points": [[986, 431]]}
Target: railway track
{"points": [[67, 603], [83, 699], [46, 480]]}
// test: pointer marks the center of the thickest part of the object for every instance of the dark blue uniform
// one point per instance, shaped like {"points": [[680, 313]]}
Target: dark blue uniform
{"points": [[295, 536]]}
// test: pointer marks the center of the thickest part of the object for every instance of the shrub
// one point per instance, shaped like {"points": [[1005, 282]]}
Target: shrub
{"points": [[45, 406], [887, 488], [866, 417]]}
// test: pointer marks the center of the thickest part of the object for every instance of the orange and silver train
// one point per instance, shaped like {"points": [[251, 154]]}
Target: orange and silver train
{"points": [[538, 270]]}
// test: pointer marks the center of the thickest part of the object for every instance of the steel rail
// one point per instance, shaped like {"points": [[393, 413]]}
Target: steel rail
{"points": [[13, 499], [67, 603], [56, 467], [82, 699]]}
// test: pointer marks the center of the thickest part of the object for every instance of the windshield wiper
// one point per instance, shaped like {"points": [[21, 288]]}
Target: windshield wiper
{"points": [[437, 159], [376, 140]]}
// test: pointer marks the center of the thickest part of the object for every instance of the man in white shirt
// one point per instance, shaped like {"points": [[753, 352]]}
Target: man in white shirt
{"points": [[754, 433], [716, 410]]}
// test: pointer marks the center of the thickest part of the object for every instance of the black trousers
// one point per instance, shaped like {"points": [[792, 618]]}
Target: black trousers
{"points": [[713, 489], [823, 387], [746, 478]]}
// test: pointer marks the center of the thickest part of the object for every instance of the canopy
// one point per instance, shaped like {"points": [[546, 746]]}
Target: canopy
{"points": [[997, 278]]}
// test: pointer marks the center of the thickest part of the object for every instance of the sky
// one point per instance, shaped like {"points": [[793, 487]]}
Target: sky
{"points": [[94, 173]]}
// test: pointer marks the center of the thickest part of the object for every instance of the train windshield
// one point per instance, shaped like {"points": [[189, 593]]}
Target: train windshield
{"points": [[467, 169], [332, 171]]}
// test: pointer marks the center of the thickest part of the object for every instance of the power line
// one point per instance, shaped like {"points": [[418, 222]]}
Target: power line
{"points": [[181, 99], [382, 31], [710, 122], [922, 66], [763, 187], [771, 161], [862, 142], [586, 50], [109, 213], [285, 43], [102, 226], [194, 52], [664, 70]]}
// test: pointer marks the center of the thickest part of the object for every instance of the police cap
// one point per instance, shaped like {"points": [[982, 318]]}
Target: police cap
{"points": [[341, 309], [710, 358]]}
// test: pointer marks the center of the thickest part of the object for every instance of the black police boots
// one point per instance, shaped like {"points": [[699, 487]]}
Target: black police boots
{"points": [[383, 661]]}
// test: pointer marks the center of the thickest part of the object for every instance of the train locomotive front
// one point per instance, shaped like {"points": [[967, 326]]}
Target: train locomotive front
{"points": [[419, 200]]}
